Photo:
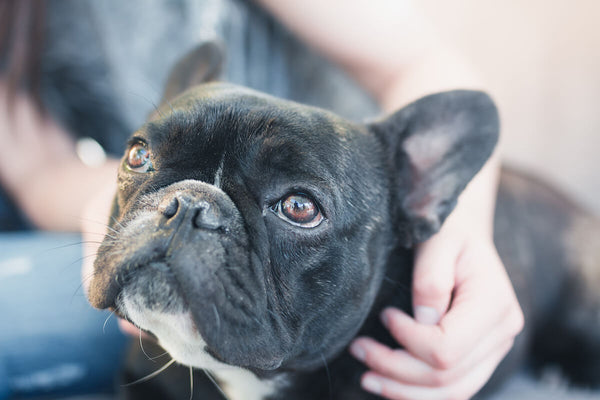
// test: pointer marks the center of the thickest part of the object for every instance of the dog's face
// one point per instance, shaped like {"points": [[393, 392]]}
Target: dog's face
{"points": [[254, 232]]}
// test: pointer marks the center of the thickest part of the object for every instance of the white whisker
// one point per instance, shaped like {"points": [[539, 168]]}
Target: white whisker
{"points": [[142, 347], [152, 375], [191, 383], [216, 384], [106, 320]]}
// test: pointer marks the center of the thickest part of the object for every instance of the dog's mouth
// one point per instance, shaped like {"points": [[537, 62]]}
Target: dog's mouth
{"points": [[153, 286], [204, 325], [150, 287], [193, 296], [199, 290], [152, 300]]}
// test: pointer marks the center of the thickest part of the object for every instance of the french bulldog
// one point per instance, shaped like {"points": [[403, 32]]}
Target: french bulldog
{"points": [[255, 237]]}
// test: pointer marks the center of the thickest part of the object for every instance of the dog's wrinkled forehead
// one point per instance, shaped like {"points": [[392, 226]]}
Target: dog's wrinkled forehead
{"points": [[214, 120], [219, 133]]}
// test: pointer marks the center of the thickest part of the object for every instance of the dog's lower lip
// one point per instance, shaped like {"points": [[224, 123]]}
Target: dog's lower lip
{"points": [[133, 324]]}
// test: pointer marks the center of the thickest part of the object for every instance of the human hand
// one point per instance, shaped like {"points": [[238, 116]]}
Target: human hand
{"points": [[447, 353], [30, 142], [36, 154]]}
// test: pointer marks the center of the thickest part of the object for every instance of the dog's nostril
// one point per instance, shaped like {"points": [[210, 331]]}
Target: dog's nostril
{"points": [[206, 217], [197, 219], [200, 213], [171, 209]]}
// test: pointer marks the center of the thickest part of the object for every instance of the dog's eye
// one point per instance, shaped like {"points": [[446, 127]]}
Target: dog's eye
{"points": [[299, 209], [138, 158]]}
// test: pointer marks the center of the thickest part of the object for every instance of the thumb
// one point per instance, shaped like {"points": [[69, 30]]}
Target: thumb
{"points": [[433, 278]]}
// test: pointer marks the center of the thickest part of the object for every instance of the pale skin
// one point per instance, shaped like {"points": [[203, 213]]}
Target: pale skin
{"points": [[390, 49]]}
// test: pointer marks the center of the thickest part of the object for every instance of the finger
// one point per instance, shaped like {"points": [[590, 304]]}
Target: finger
{"points": [[462, 389], [401, 366], [392, 363], [484, 300], [443, 346], [433, 279]]}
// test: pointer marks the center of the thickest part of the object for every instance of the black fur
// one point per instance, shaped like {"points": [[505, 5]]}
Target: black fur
{"points": [[278, 299]]}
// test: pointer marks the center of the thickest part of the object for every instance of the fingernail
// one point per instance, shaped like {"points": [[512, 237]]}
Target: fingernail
{"points": [[358, 351], [427, 315], [372, 385], [385, 318]]}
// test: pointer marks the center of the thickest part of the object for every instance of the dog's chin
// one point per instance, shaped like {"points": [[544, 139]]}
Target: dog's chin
{"points": [[178, 335], [175, 331]]}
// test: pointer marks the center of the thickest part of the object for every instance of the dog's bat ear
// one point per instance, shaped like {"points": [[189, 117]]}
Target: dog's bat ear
{"points": [[202, 64], [436, 145]]}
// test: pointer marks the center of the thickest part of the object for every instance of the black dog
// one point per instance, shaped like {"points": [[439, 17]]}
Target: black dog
{"points": [[257, 237]]}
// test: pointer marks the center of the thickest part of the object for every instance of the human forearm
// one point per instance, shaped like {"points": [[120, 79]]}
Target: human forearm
{"points": [[54, 198], [40, 169], [388, 46]]}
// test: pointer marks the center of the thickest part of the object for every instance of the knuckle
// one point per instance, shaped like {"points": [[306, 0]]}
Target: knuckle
{"points": [[519, 321], [396, 329], [440, 378], [509, 345], [443, 358], [431, 288], [515, 321], [376, 359]]}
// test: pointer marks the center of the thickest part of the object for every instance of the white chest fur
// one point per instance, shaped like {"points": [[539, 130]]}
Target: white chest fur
{"points": [[177, 335], [240, 384]]}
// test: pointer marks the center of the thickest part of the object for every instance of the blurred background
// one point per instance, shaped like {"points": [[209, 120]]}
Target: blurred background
{"points": [[541, 61]]}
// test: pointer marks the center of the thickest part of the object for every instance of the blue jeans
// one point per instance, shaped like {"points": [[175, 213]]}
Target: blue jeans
{"points": [[52, 343]]}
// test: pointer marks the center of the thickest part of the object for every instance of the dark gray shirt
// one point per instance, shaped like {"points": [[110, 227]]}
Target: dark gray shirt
{"points": [[106, 61]]}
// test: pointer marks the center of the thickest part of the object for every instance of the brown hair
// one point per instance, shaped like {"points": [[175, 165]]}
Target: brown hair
{"points": [[21, 42]]}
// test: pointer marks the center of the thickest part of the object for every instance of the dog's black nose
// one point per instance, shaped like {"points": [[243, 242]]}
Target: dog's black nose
{"points": [[201, 213]]}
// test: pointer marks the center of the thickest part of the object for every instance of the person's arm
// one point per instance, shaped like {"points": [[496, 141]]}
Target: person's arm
{"points": [[389, 47], [40, 169]]}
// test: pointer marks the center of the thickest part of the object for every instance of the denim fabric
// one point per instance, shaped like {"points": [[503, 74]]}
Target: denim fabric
{"points": [[52, 343], [11, 219]]}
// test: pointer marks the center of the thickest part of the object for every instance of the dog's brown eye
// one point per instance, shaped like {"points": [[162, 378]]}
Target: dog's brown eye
{"points": [[299, 210], [138, 158]]}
